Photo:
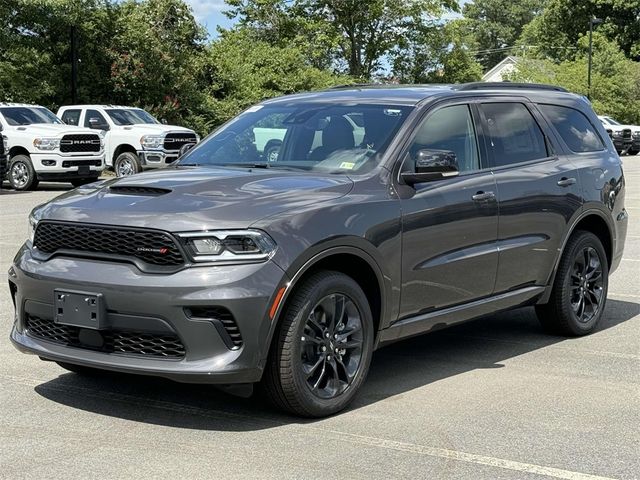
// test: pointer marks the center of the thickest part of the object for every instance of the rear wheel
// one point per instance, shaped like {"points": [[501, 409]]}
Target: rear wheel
{"points": [[127, 164], [580, 289], [22, 175], [322, 350]]}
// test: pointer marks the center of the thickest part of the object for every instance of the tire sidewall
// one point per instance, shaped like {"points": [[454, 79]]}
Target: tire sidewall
{"points": [[130, 157], [586, 239], [342, 284], [26, 161]]}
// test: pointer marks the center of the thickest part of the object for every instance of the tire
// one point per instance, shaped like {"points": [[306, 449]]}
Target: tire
{"points": [[633, 152], [298, 362], [80, 370], [78, 182], [127, 164], [571, 309], [22, 176], [271, 152]]}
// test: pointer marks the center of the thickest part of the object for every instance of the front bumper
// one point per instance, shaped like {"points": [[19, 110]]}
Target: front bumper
{"points": [[622, 144], [54, 165], [154, 303], [157, 158]]}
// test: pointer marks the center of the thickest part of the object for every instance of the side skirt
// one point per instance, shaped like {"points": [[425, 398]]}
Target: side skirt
{"points": [[431, 321]]}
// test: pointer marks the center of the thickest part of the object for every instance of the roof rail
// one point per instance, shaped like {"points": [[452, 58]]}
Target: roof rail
{"points": [[507, 86], [353, 85]]}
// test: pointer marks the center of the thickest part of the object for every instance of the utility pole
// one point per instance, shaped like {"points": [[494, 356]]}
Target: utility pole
{"points": [[74, 65], [592, 22]]}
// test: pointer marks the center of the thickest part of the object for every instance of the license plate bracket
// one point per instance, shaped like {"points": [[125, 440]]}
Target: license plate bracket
{"points": [[84, 170], [79, 309]]}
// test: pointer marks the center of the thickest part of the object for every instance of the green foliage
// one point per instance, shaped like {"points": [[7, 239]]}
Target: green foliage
{"points": [[496, 24], [615, 79], [562, 23]]}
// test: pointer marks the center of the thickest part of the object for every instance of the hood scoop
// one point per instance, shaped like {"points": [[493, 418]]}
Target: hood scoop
{"points": [[138, 190]]}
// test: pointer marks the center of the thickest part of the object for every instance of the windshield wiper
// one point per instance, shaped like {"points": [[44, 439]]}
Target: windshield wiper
{"points": [[246, 165]]}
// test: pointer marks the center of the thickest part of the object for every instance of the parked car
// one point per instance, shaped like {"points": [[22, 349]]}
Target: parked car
{"points": [[626, 138], [134, 139], [41, 147], [231, 269], [3, 158]]}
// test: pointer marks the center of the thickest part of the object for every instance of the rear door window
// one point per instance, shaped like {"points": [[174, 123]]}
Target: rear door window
{"points": [[513, 133], [574, 127]]}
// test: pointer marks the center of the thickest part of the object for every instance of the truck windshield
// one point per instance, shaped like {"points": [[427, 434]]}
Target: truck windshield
{"points": [[611, 121], [130, 116], [319, 137], [17, 116]]}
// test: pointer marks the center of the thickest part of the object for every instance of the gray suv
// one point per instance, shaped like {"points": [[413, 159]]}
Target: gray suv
{"points": [[387, 212]]}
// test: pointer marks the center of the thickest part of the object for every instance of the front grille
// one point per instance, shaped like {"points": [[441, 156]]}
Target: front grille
{"points": [[222, 318], [150, 246], [626, 133], [113, 341], [78, 143], [78, 163], [175, 141], [636, 135]]}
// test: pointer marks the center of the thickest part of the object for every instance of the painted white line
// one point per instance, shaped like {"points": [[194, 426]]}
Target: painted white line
{"points": [[466, 457], [630, 260], [631, 295]]}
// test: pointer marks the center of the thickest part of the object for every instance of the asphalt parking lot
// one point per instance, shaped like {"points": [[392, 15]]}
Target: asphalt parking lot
{"points": [[490, 399]]}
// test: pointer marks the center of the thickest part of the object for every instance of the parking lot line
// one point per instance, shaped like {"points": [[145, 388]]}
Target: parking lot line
{"points": [[467, 457]]}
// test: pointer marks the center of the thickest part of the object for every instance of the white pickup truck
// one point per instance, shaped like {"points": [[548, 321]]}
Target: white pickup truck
{"points": [[134, 139], [626, 138], [40, 147]]}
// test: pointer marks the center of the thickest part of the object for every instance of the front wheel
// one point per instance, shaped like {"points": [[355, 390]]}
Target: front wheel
{"points": [[580, 288], [22, 175], [322, 350], [127, 164], [633, 152]]}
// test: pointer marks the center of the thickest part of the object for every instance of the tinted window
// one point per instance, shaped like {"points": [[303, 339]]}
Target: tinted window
{"points": [[308, 136], [574, 128], [129, 116], [513, 134], [450, 129], [16, 116], [101, 122], [71, 117]]}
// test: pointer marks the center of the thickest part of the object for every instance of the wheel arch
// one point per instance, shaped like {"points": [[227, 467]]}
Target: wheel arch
{"points": [[593, 221], [18, 150], [122, 148]]}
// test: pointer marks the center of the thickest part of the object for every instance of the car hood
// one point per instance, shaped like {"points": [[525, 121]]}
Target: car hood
{"points": [[155, 129], [634, 128], [52, 129], [194, 198]]}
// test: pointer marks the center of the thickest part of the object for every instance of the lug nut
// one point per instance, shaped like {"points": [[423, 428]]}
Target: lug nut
{"points": [[323, 348], [328, 357], [327, 335]]}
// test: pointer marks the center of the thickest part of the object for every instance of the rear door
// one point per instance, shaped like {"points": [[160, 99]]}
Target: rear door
{"points": [[537, 189], [450, 226]]}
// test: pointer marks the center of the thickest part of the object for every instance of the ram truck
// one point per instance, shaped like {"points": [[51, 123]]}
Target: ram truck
{"points": [[626, 138]]}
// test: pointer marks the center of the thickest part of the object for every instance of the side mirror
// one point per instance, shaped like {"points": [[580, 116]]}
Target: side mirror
{"points": [[185, 148], [432, 165], [164, 121], [96, 124]]}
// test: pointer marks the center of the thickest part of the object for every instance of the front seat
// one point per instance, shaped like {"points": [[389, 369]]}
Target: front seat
{"points": [[337, 135]]}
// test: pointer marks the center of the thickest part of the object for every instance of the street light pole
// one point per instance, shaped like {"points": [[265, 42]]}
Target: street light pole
{"points": [[592, 22], [74, 64]]}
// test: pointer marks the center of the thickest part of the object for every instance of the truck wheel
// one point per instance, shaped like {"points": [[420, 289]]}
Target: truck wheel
{"points": [[633, 152], [322, 350], [22, 175], [271, 152], [580, 288], [127, 164]]}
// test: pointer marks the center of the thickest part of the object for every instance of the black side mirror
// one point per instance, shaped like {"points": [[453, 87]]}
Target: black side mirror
{"points": [[164, 121], [432, 165], [96, 124], [185, 148]]}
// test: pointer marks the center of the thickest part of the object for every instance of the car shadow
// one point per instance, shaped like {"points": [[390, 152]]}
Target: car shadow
{"points": [[396, 369], [42, 187]]}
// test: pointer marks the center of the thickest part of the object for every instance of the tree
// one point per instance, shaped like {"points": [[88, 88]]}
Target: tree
{"points": [[615, 79], [497, 24], [353, 36], [562, 22], [436, 53]]}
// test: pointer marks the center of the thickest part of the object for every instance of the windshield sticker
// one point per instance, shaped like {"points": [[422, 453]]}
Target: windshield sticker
{"points": [[347, 165]]}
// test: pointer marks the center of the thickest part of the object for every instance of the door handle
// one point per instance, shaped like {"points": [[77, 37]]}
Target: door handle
{"points": [[483, 196], [565, 182]]}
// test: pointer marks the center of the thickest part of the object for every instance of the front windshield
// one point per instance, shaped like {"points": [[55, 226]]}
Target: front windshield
{"points": [[129, 116], [612, 121], [17, 116], [318, 137]]}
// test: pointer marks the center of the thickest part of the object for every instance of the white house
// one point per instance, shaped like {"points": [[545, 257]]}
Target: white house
{"points": [[506, 66]]}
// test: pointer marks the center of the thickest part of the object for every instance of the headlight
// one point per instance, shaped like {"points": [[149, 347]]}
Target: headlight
{"points": [[45, 143], [33, 223], [229, 246], [152, 141]]}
